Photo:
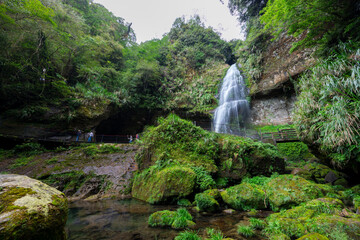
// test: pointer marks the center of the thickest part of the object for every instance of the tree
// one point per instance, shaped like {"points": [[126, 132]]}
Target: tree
{"points": [[246, 9], [324, 22]]}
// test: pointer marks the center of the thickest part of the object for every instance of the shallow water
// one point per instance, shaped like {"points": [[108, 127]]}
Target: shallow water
{"points": [[127, 220]]}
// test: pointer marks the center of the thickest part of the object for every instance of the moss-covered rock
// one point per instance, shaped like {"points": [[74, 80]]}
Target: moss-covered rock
{"points": [[244, 196], [164, 185], [179, 219], [285, 191], [321, 216], [30, 209], [206, 202], [243, 156], [313, 236]]}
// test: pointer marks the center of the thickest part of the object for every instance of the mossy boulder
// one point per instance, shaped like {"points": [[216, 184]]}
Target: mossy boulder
{"points": [[244, 156], [321, 216], [244, 196], [170, 183], [206, 202], [313, 236], [30, 209], [285, 191], [179, 219], [323, 174]]}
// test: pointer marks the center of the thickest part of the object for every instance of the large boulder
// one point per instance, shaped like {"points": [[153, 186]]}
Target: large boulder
{"points": [[245, 196], [285, 191], [30, 209], [324, 216], [240, 157], [170, 183]]}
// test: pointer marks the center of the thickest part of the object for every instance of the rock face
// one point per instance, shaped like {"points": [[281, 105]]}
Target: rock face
{"points": [[30, 209], [273, 95], [272, 110]]}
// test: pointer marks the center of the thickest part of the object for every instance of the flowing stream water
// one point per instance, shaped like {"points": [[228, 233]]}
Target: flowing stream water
{"points": [[128, 220], [233, 110]]}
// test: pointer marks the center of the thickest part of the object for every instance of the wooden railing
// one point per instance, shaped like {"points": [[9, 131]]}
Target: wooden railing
{"points": [[282, 135]]}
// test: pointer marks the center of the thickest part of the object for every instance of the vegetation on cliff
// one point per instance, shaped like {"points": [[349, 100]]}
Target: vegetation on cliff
{"points": [[326, 113], [71, 61]]}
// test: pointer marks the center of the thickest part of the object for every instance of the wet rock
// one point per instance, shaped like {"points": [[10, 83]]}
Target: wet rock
{"points": [[30, 209], [229, 211]]}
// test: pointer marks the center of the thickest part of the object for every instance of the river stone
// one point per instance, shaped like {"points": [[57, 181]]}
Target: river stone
{"points": [[30, 209]]}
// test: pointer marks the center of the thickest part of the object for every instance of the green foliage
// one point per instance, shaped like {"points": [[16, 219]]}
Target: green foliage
{"points": [[321, 22], [245, 231], [203, 178], [28, 149], [214, 234], [294, 151], [188, 235], [256, 223], [206, 202], [246, 9], [327, 111], [184, 202], [177, 220]]}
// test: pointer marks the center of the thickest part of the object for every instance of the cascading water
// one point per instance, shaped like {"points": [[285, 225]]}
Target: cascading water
{"points": [[233, 110]]}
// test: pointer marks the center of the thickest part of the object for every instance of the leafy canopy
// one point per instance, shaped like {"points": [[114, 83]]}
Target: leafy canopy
{"points": [[321, 21]]}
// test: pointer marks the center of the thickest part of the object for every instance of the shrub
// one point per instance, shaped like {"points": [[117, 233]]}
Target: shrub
{"points": [[326, 112], [28, 149]]}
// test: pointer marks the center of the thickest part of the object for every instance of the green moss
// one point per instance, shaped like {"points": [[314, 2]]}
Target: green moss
{"points": [[294, 151], [313, 236], [318, 216], [188, 235], [172, 182], [286, 191], [161, 218], [184, 202], [244, 196], [9, 195], [177, 220], [206, 203], [22, 161]]}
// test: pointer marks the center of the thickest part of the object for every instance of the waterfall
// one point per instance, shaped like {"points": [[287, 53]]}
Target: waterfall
{"points": [[233, 110]]}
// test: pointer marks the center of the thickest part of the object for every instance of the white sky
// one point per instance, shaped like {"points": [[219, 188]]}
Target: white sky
{"points": [[152, 18]]}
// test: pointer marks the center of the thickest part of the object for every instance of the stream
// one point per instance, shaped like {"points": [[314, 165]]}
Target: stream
{"points": [[127, 220]]}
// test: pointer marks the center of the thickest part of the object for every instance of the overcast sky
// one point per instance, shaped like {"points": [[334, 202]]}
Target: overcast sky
{"points": [[152, 18]]}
